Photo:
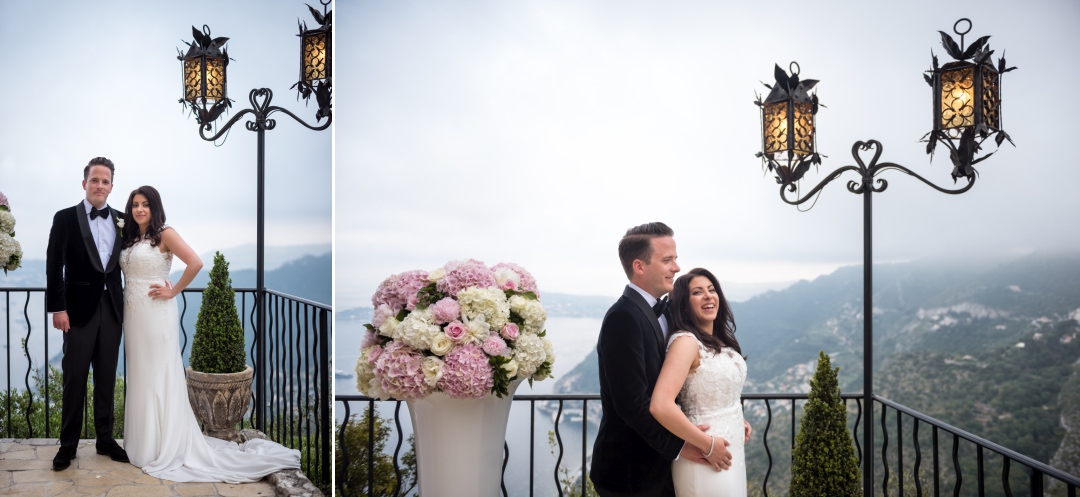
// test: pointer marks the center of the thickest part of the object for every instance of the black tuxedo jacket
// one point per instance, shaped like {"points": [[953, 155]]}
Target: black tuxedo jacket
{"points": [[633, 451], [73, 272]]}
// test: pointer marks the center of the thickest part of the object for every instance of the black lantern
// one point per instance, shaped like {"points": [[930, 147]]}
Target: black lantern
{"points": [[967, 100], [316, 60], [204, 76], [788, 137]]}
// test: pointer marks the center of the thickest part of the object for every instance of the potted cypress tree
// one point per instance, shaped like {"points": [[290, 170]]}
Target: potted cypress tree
{"points": [[218, 379], [824, 456]]}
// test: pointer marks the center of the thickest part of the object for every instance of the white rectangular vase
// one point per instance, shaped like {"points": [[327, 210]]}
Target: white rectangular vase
{"points": [[459, 444]]}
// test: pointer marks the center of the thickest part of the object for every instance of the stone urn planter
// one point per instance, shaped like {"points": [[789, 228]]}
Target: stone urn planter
{"points": [[220, 401]]}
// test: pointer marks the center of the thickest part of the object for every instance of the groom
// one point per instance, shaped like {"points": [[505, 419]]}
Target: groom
{"points": [[86, 297], [633, 453]]}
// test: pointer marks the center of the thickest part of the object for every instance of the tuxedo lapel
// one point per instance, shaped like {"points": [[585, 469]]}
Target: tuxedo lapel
{"points": [[87, 237], [650, 316], [117, 244]]}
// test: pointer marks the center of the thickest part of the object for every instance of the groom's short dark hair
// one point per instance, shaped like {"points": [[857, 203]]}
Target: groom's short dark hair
{"points": [[98, 161], [637, 244]]}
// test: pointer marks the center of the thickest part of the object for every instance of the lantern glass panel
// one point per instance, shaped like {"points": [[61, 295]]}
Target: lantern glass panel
{"points": [[313, 53], [775, 127], [991, 97], [958, 97], [215, 79], [804, 129], [192, 79]]}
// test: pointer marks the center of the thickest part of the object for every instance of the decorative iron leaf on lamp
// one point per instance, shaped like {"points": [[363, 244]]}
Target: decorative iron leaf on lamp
{"points": [[316, 60], [967, 101], [203, 68], [788, 137]]}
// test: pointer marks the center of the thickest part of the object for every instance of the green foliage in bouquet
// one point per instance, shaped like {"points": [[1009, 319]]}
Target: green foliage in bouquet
{"points": [[824, 455], [218, 346]]}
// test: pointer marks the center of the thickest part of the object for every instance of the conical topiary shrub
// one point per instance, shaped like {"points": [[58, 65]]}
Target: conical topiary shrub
{"points": [[825, 463], [218, 346]]}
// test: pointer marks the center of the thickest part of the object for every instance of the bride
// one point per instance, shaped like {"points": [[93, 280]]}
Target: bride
{"points": [[161, 434], [705, 370]]}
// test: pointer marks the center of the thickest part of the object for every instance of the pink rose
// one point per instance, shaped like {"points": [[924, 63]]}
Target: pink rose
{"points": [[509, 285], [510, 331], [495, 345], [456, 330]]}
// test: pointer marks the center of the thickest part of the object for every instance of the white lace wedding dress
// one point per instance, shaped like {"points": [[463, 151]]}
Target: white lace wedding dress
{"points": [[711, 395], [161, 434]]}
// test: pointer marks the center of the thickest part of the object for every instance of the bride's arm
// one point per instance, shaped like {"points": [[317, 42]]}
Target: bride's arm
{"points": [[171, 241], [680, 357]]}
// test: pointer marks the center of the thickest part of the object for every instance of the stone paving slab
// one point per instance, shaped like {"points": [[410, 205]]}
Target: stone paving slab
{"points": [[26, 470]]}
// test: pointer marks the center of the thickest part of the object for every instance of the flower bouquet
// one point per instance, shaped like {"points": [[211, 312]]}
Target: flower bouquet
{"points": [[10, 250], [464, 329]]}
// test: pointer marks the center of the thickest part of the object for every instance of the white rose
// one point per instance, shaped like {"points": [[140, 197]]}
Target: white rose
{"points": [[517, 303], [436, 275], [441, 344], [503, 275], [432, 367], [511, 369], [389, 327]]}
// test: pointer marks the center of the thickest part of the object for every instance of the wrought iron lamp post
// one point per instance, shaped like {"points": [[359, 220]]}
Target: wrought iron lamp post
{"points": [[205, 93], [966, 112]]}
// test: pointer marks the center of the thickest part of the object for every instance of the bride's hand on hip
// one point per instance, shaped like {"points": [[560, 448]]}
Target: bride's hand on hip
{"points": [[158, 291]]}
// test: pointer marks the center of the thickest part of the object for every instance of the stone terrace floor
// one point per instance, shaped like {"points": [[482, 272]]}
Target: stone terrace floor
{"points": [[26, 470]]}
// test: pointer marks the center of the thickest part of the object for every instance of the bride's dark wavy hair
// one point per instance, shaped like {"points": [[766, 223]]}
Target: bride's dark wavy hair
{"points": [[157, 217], [683, 319]]}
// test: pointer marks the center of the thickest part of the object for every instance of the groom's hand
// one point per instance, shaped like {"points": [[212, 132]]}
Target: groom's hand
{"points": [[691, 453], [720, 459], [60, 321]]}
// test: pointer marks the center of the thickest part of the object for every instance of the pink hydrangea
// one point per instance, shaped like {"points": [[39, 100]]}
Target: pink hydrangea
{"points": [[456, 330], [399, 290], [445, 310], [495, 345], [466, 373], [463, 274], [528, 284], [510, 331], [368, 340], [4, 201], [399, 369], [382, 313]]}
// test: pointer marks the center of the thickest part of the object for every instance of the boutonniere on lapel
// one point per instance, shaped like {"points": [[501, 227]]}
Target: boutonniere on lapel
{"points": [[120, 224]]}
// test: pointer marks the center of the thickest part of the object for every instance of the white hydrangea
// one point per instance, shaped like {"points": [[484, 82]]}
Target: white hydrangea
{"points": [[366, 382], [529, 354], [7, 222], [417, 329], [534, 315], [488, 302], [8, 248]]}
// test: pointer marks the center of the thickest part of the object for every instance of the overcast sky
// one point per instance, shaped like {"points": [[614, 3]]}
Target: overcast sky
{"points": [[86, 79], [538, 132]]}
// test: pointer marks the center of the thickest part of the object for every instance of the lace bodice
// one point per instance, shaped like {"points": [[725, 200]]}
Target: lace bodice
{"points": [[144, 264], [712, 393]]}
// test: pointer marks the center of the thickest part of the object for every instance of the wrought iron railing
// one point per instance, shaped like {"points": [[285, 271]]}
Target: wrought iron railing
{"points": [[293, 368], [774, 418]]}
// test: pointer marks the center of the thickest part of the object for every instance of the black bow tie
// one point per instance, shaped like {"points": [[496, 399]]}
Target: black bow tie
{"points": [[660, 307], [103, 212]]}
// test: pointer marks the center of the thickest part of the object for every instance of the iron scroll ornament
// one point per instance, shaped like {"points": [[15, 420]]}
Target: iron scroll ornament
{"points": [[261, 110], [869, 172]]}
